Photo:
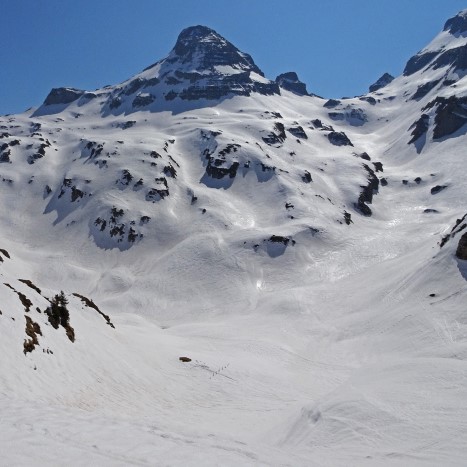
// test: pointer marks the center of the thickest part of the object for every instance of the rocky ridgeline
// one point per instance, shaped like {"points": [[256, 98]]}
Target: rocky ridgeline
{"points": [[202, 65]]}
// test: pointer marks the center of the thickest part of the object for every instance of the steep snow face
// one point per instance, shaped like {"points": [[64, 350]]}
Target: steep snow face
{"points": [[298, 254]]}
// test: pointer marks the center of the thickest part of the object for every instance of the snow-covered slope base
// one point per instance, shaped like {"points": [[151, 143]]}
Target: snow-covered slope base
{"points": [[254, 275]]}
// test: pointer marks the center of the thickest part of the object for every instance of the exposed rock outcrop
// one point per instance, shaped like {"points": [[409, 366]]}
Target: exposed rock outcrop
{"points": [[459, 226], [63, 96], [339, 138], [420, 127], [461, 251], [290, 82], [382, 81], [451, 115], [366, 196], [457, 24]]}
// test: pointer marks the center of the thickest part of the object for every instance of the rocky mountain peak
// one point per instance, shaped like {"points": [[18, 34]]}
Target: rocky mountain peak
{"points": [[205, 49], [383, 81], [457, 24], [290, 82], [203, 65]]}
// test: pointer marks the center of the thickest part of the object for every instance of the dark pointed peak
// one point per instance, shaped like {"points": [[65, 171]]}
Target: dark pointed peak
{"points": [[457, 24], [204, 49], [290, 82], [382, 81], [203, 65]]}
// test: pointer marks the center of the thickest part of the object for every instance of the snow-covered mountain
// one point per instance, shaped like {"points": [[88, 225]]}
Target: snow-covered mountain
{"points": [[306, 256]]}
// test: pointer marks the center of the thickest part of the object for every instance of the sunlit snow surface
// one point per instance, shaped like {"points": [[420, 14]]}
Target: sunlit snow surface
{"points": [[327, 352]]}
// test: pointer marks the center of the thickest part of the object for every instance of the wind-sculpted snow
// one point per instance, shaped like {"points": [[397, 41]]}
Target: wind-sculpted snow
{"points": [[254, 275]]}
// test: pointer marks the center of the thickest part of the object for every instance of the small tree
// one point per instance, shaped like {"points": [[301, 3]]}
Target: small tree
{"points": [[58, 312]]}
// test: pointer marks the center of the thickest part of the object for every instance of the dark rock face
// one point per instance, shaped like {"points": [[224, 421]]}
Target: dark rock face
{"points": [[205, 49], [424, 89], [220, 172], [337, 116], [220, 166], [63, 96], [436, 189], [339, 138], [298, 132], [142, 100], [119, 231], [451, 115], [420, 127], [115, 102], [217, 68], [279, 239], [459, 226], [456, 57], [290, 82], [348, 218], [382, 82], [418, 61], [161, 192], [278, 136], [461, 251], [457, 24], [39, 154], [74, 192], [331, 103], [366, 196], [5, 153], [5, 157], [317, 123], [138, 84], [369, 99], [89, 96], [154, 194], [378, 166], [126, 125], [306, 177], [364, 156]]}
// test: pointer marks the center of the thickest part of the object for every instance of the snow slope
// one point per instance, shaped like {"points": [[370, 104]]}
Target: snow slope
{"points": [[288, 245]]}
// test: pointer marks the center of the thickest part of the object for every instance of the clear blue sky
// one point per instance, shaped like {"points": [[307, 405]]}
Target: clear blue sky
{"points": [[337, 47]]}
